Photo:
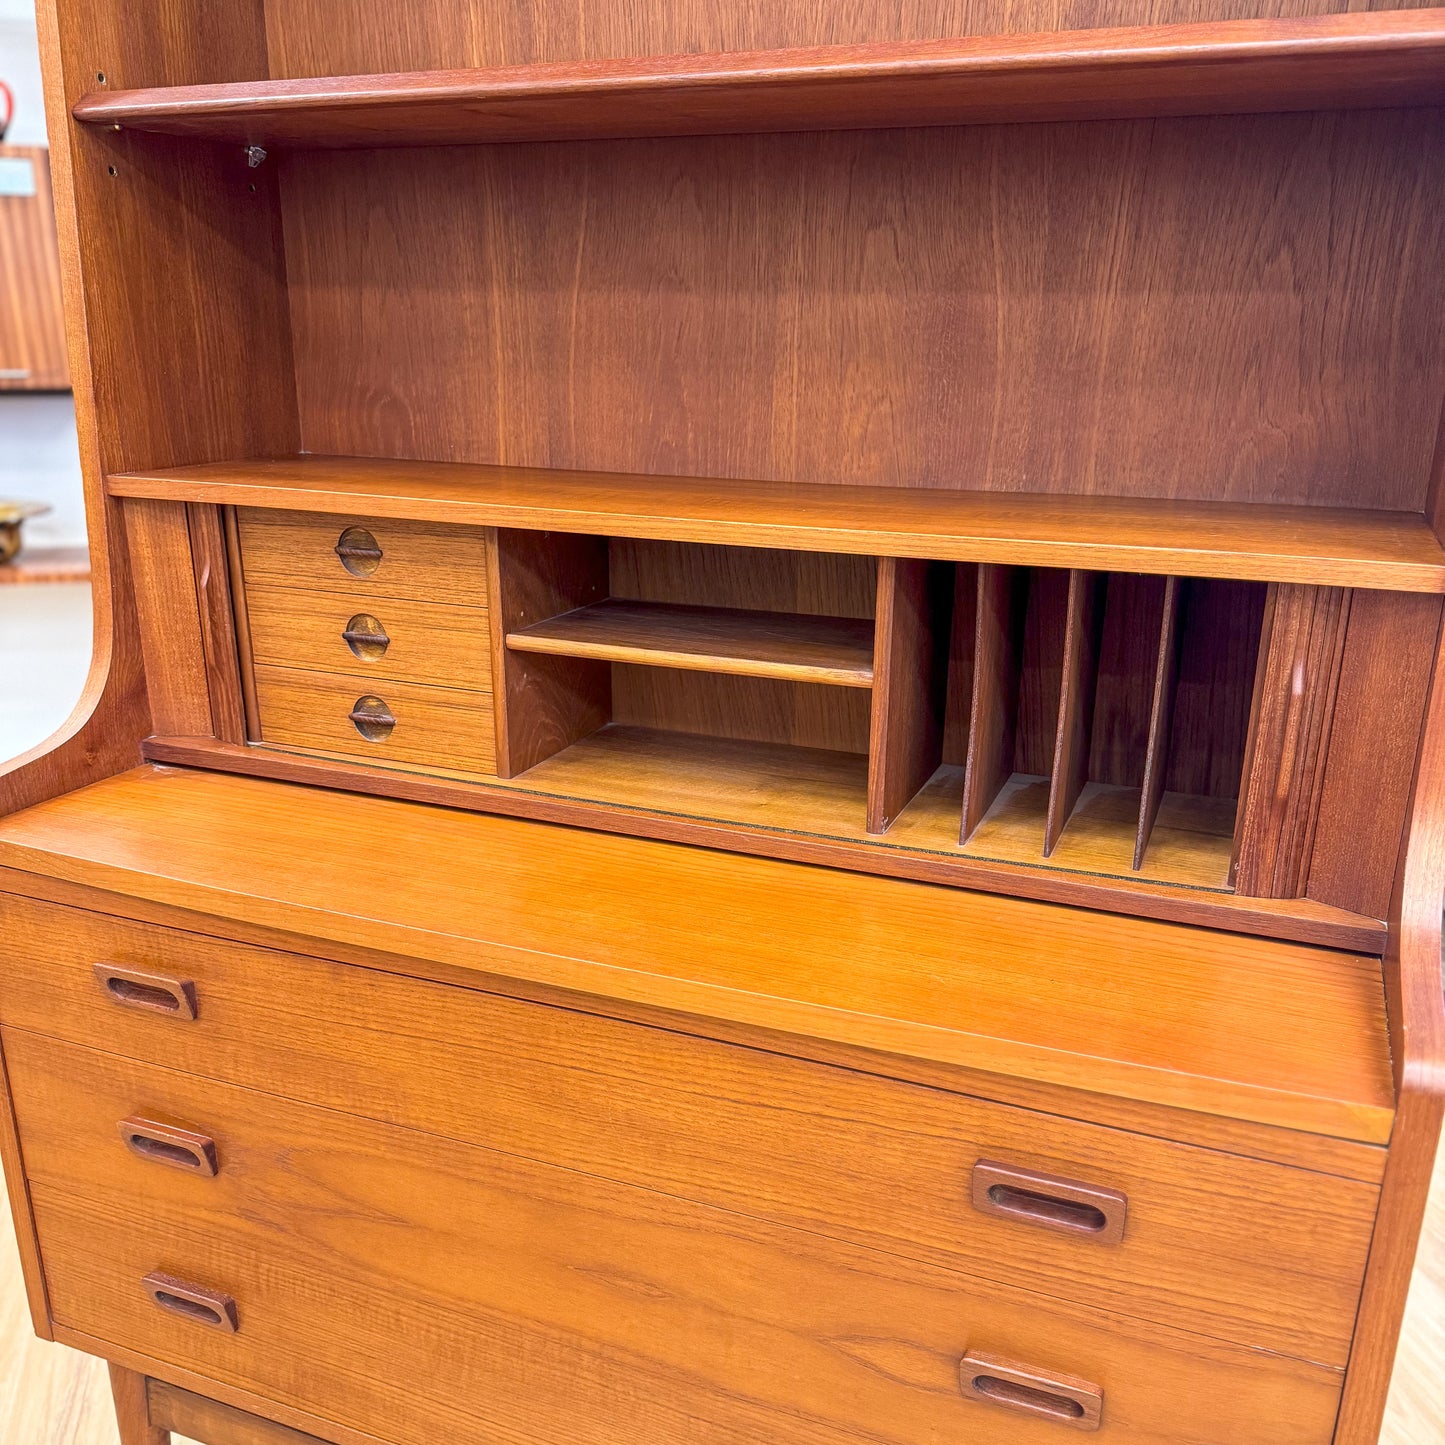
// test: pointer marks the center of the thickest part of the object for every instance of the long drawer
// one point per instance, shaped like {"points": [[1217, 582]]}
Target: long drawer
{"points": [[1246, 1251], [424, 1289]]}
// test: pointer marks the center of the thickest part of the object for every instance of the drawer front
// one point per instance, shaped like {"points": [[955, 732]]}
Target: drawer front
{"points": [[400, 641], [378, 557], [1225, 1246], [424, 1289], [400, 722]]}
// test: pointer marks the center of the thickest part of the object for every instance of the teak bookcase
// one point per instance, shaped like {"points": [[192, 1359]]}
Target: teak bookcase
{"points": [[766, 759]]}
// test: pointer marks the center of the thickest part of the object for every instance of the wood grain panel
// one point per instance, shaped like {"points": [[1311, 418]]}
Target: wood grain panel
{"points": [[1161, 715], [545, 702], [1260, 541], [159, 540], [429, 642], [1242, 1250], [32, 330], [1128, 658], [339, 37], [1242, 1027], [439, 1289], [210, 556], [743, 642], [1384, 684], [1234, 68], [421, 562], [196, 1417], [441, 727], [910, 684], [1295, 699], [832, 288], [1083, 630], [999, 621]]}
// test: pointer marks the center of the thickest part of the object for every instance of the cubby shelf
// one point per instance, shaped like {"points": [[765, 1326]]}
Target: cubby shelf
{"points": [[1385, 59], [836, 650], [1326, 546]]}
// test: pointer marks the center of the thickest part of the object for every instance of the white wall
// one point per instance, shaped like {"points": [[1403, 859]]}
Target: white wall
{"points": [[38, 456]]}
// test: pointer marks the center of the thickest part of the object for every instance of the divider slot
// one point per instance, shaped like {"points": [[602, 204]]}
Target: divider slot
{"points": [[1161, 712], [998, 645], [1083, 631]]}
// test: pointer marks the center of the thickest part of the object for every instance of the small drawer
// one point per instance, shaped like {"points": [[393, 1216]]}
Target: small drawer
{"points": [[400, 722], [1212, 1243], [439, 1291], [364, 557], [384, 640]]}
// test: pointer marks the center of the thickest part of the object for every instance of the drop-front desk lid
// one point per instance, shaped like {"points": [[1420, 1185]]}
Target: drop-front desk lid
{"points": [[1222, 1023]]}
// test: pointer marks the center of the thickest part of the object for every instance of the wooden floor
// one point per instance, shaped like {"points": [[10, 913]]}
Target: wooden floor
{"points": [[50, 1395]]}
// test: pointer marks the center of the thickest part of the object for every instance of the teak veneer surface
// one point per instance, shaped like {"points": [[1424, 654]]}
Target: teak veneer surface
{"points": [[836, 650], [1223, 1245], [1325, 545], [438, 1290], [1385, 59], [1247, 1028]]}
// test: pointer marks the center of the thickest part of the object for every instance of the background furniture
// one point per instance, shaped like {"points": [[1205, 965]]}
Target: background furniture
{"points": [[764, 760], [32, 332]]}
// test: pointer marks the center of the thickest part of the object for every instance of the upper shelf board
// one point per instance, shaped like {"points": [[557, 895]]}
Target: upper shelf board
{"points": [[1389, 58], [1328, 546], [794, 646]]}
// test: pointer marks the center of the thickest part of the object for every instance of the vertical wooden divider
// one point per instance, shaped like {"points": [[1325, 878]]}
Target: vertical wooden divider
{"points": [[543, 704], [1161, 714], [993, 712], [209, 555], [910, 683], [159, 540], [1296, 683], [1082, 630]]}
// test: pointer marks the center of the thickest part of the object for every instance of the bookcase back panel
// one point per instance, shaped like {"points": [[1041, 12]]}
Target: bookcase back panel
{"points": [[340, 37], [1230, 308]]}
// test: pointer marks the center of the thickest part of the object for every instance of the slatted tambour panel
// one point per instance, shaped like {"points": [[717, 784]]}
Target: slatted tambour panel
{"points": [[1105, 732]]}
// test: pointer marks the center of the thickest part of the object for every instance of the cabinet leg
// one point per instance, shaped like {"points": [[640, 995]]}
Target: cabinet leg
{"points": [[132, 1413]]}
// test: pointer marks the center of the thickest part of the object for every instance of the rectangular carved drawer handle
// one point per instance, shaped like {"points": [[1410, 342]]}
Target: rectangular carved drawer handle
{"points": [[152, 991], [170, 1144], [193, 1302], [1062, 1204], [1061, 1398]]}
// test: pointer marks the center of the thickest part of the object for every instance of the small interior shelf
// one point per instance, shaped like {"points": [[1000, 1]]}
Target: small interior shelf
{"points": [[835, 650], [1390, 58], [1327, 546]]}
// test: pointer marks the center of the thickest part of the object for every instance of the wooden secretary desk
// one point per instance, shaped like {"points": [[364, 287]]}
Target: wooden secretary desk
{"points": [[766, 760]]}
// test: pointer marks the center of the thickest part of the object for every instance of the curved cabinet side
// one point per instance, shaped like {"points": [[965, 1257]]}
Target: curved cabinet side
{"points": [[1413, 986]]}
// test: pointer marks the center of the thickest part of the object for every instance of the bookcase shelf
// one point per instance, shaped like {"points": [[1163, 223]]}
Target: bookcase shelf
{"points": [[835, 650], [1326, 546], [1386, 59]]}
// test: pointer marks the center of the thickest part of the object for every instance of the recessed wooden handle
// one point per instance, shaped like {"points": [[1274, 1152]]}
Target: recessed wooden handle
{"points": [[1064, 1399], [372, 719], [134, 988], [169, 1144], [193, 1302], [1065, 1205]]}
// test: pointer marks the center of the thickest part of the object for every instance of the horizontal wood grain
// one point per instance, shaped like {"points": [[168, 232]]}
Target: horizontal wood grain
{"points": [[437, 643], [197, 1418], [1243, 1027], [835, 650], [1392, 550], [1301, 920], [440, 727], [420, 562], [1242, 1250], [1386, 59], [441, 1289]]}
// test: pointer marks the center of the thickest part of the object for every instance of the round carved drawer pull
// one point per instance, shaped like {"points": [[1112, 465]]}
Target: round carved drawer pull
{"points": [[366, 637], [358, 552], [373, 719]]}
